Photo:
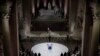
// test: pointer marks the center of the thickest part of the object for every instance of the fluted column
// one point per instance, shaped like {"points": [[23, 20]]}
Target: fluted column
{"points": [[27, 11], [73, 5], [60, 3], [91, 31], [38, 3], [6, 36], [96, 29], [87, 30], [45, 3], [7, 44], [65, 8], [33, 7], [14, 28], [95, 38]]}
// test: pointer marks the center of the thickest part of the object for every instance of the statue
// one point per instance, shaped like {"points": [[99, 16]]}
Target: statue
{"points": [[56, 9], [49, 46], [50, 12], [49, 6]]}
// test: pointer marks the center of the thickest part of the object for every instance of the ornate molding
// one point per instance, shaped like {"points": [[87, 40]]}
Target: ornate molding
{"points": [[96, 11]]}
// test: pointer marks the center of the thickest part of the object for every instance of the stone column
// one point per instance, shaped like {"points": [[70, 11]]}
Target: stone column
{"points": [[76, 26], [73, 5], [14, 31], [65, 8], [95, 38], [33, 7], [27, 12], [7, 44], [96, 30], [45, 3], [87, 30], [60, 3], [38, 3], [6, 36]]}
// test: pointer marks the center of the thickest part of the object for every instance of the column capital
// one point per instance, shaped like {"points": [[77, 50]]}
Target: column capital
{"points": [[5, 10]]}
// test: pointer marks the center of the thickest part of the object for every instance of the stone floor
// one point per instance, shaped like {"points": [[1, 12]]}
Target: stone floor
{"points": [[1, 48]]}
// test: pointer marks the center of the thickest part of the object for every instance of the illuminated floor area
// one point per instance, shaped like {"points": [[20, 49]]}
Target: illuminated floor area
{"points": [[49, 49]]}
